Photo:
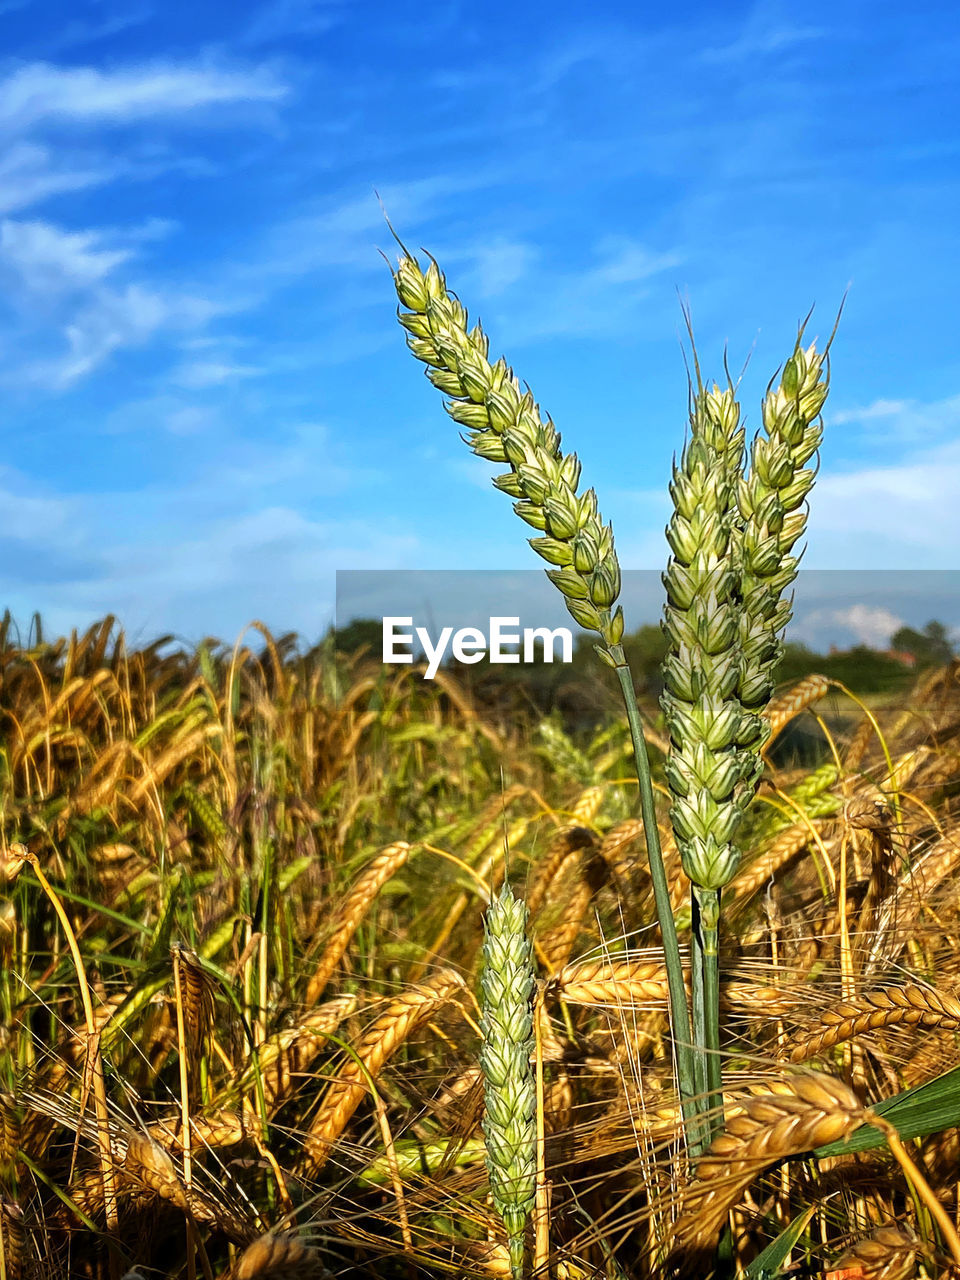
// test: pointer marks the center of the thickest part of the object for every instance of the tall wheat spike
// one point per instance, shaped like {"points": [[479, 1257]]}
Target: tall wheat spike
{"points": [[376, 1046], [506, 1025]]}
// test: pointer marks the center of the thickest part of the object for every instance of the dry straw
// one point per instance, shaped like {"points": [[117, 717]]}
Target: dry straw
{"points": [[383, 867], [404, 1014], [886, 1254]]}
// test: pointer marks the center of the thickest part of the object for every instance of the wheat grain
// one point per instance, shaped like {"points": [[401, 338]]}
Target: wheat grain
{"points": [[280, 1256], [385, 865], [588, 804], [222, 1129], [564, 843], [780, 711], [148, 1163], [14, 1247], [379, 1042], [504, 425], [803, 1112], [781, 851], [615, 844], [910, 1005], [289, 1052], [10, 1133], [886, 1254], [556, 942], [613, 982]]}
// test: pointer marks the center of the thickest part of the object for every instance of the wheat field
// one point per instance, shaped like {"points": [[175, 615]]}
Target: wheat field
{"points": [[241, 925]]}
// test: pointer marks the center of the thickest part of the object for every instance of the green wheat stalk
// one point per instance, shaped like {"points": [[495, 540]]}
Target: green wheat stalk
{"points": [[507, 981], [732, 538], [503, 424]]}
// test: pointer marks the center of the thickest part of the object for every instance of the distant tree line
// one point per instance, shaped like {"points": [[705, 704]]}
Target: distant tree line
{"points": [[582, 693]]}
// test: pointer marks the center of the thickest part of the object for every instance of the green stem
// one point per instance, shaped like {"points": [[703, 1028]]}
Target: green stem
{"points": [[697, 1001], [679, 1013], [706, 921]]}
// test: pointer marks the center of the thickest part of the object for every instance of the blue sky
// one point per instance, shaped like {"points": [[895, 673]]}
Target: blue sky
{"points": [[206, 403]]}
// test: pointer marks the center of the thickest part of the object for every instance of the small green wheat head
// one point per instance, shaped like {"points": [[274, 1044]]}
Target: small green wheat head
{"points": [[773, 514], [705, 718], [504, 424], [506, 1023]]}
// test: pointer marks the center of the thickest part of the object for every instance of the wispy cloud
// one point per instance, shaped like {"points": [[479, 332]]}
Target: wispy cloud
{"points": [[759, 40], [283, 20], [200, 374], [906, 422], [31, 173], [41, 91], [900, 515], [865, 624], [49, 260]]}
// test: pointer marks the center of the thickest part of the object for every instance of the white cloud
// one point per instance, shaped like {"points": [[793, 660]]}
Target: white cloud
{"points": [[904, 421], [114, 319], [283, 19], [40, 91], [904, 514], [500, 264], [200, 374], [870, 412], [30, 173], [161, 562], [49, 260], [759, 41], [625, 261], [870, 625]]}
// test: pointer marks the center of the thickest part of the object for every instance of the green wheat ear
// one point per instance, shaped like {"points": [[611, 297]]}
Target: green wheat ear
{"points": [[504, 424], [506, 1024]]}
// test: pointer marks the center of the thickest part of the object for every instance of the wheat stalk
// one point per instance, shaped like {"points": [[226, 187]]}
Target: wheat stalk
{"points": [[506, 426], [383, 867], [804, 1112], [376, 1046], [910, 1005], [506, 1024]]}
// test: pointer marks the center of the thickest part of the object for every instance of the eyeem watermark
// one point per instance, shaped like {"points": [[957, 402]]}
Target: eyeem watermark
{"points": [[470, 644]]}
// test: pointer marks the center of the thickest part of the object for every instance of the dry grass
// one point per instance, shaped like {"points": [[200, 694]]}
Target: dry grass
{"points": [[255, 815]]}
